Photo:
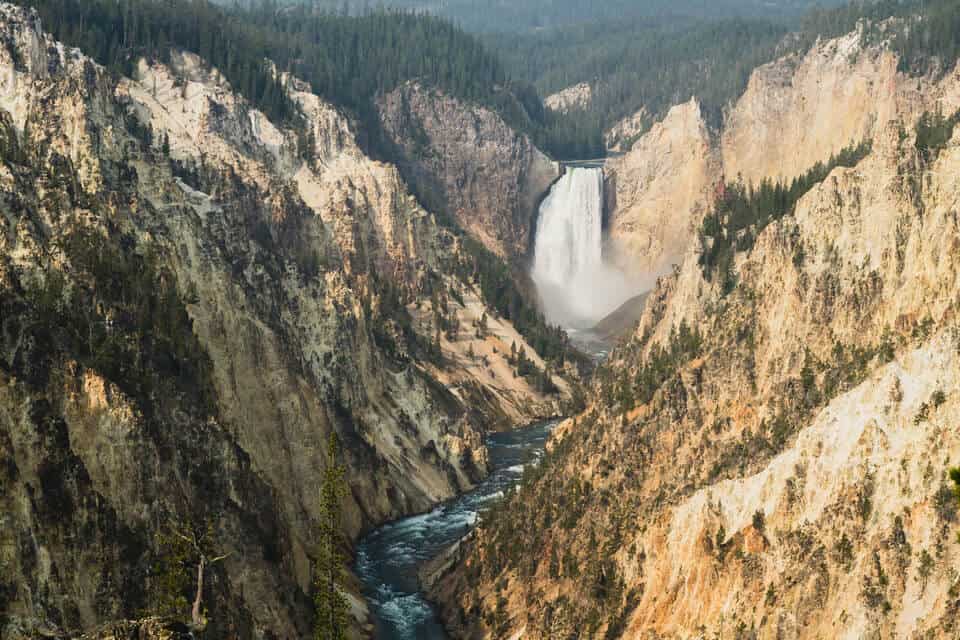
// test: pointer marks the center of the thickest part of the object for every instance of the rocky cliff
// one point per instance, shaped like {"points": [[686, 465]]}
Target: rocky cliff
{"points": [[192, 299], [767, 456], [576, 97], [796, 111], [658, 192], [621, 136], [467, 162]]}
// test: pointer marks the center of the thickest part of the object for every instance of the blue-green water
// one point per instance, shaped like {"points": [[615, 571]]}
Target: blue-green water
{"points": [[389, 558]]}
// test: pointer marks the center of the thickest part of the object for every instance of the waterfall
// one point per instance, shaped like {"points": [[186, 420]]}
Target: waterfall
{"points": [[576, 286]]}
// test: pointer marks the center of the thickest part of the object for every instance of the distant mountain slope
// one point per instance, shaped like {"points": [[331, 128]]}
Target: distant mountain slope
{"points": [[640, 67], [532, 15]]}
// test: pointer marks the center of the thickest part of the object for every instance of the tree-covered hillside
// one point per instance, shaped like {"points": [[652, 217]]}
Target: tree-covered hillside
{"points": [[650, 55], [349, 59], [518, 16], [650, 63], [923, 32]]}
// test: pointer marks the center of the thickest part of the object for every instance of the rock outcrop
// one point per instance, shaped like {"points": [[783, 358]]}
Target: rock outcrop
{"points": [[466, 161], [767, 456], [624, 134], [801, 109], [193, 298], [145, 629], [659, 191], [576, 97]]}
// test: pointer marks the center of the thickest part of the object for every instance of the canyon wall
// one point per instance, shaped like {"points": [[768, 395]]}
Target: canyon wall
{"points": [[767, 456], [796, 111], [464, 160], [193, 298], [658, 192]]}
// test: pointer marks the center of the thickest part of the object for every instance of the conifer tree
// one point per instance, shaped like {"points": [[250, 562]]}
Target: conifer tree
{"points": [[331, 607], [955, 476]]}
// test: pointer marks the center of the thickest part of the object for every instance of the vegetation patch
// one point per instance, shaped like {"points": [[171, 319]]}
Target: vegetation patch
{"points": [[934, 131], [743, 211]]}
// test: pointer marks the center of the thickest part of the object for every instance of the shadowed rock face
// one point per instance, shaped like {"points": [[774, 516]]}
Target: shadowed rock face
{"points": [[183, 329], [465, 160]]}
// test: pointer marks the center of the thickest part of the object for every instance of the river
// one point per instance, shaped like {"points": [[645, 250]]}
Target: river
{"points": [[389, 558]]}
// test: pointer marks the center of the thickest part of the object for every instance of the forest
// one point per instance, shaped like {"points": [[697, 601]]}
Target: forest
{"points": [[650, 63], [529, 16], [346, 59], [349, 59], [923, 34], [644, 57]]}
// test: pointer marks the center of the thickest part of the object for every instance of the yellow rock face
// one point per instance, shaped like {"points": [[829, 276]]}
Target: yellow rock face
{"points": [[789, 479], [284, 259], [795, 112]]}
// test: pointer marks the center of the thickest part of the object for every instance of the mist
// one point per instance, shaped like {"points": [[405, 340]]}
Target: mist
{"points": [[577, 287]]}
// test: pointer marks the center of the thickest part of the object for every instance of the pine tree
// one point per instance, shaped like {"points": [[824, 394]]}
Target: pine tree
{"points": [[955, 476], [331, 607]]}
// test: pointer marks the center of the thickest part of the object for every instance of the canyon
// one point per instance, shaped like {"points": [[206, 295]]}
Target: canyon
{"points": [[766, 456], [197, 298]]}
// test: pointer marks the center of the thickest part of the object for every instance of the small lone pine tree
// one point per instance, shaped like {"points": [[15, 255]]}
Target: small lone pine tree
{"points": [[185, 548], [331, 606], [955, 476]]}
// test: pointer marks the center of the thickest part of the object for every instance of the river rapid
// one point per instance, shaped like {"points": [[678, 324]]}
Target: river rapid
{"points": [[389, 558]]}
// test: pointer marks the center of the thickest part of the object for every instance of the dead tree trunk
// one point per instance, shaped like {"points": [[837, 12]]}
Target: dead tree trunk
{"points": [[196, 614]]}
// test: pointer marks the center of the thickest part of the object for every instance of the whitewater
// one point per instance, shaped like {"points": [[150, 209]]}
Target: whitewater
{"points": [[576, 286], [389, 558]]}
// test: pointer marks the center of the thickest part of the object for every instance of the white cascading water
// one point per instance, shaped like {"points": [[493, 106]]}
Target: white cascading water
{"points": [[577, 288]]}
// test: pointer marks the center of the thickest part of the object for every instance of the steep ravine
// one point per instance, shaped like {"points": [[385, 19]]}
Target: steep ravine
{"points": [[766, 457], [192, 301]]}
